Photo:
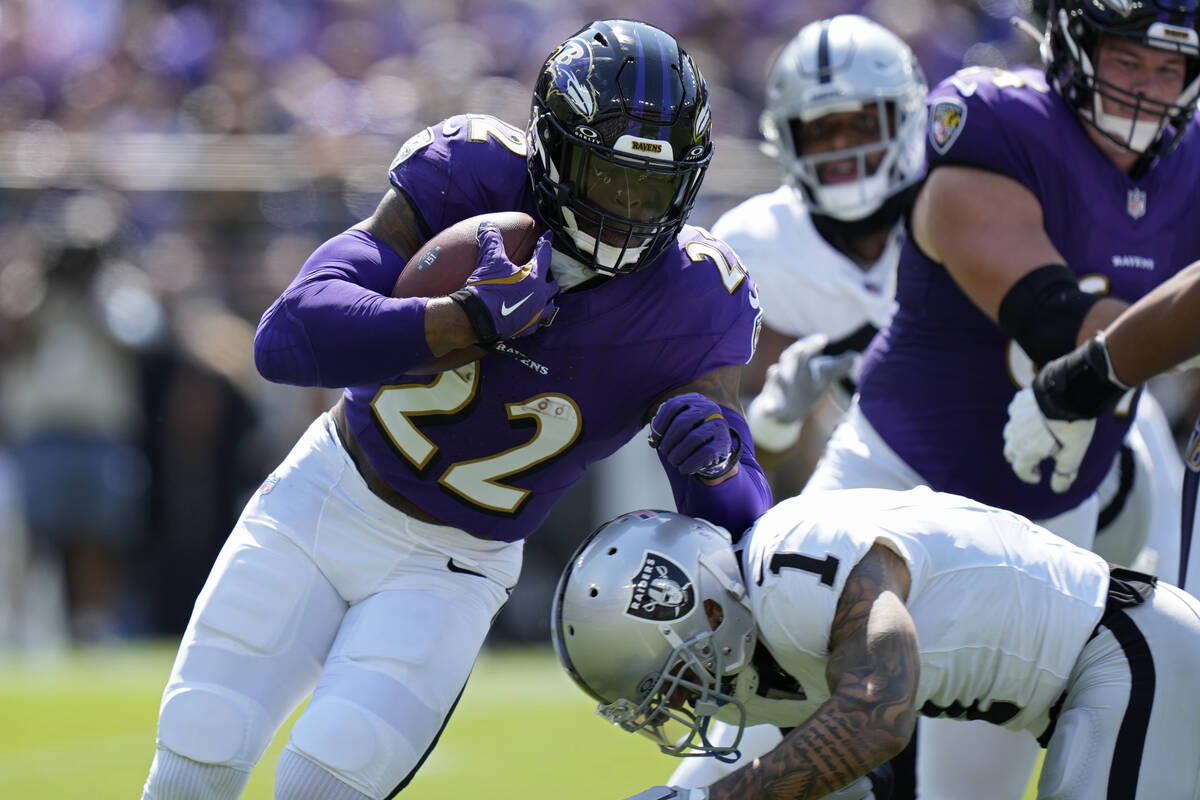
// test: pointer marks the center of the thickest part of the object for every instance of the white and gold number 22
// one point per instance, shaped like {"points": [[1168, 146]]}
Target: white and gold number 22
{"points": [[557, 425]]}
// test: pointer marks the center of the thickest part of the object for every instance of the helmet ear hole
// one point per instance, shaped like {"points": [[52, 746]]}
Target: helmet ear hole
{"points": [[714, 612]]}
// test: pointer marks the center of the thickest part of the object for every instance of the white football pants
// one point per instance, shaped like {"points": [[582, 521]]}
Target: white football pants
{"points": [[324, 588], [1129, 726], [1149, 512]]}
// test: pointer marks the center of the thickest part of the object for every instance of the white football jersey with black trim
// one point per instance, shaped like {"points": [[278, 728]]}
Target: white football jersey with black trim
{"points": [[805, 284], [1002, 607]]}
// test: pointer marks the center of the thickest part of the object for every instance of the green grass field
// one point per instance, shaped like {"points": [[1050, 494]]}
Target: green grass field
{"points": [[81, 727]]}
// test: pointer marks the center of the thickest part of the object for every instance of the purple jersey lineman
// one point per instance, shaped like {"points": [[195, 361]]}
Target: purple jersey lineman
{"points": [[491, 446], [936, 383]]}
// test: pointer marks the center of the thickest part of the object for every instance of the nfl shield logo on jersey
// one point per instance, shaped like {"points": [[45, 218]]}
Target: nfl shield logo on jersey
{"points": [[1135, 203], [662, 591]]}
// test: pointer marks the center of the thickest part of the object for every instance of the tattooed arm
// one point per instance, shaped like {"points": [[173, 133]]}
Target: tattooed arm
{"points": [[873, 670], [395, 224], [719, 386]]}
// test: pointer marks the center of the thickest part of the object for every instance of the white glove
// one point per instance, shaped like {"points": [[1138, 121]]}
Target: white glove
{"points": [[1030, 437], [1191, 363], [671, 793], [801, 375], [793, 385]]}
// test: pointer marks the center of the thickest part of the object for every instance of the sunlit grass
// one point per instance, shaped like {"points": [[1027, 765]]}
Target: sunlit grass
{"points": [[80, 726]]}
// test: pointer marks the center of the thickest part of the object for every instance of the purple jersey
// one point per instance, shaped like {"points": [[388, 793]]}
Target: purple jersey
{"points": [[467, 165], [937, 381], [491, 446]]}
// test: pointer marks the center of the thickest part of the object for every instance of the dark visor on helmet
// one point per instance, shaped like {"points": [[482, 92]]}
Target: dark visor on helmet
{"points": [[632, 192]]}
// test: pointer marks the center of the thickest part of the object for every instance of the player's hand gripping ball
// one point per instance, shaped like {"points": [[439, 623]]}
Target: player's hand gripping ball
{"points": [[446, 262], [502, 299]]}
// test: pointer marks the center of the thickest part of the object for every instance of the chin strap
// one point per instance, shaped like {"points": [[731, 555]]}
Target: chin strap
{"points": [[724, 758]]}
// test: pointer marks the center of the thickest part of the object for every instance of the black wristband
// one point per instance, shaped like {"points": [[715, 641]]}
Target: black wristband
{"points": [[1044, 311], [478, 315], [1076, 386]]}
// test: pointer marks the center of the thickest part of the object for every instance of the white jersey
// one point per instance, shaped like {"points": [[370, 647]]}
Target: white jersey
{"points": [[804, 283], [1002, 607]]}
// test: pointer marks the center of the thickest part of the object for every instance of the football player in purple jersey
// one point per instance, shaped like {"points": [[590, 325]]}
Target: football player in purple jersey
{"points": [[1055, 418], [367, 569], [1054, 198]]}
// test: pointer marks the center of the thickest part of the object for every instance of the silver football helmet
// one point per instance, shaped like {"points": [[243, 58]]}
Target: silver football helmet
{"points": [[630, 623], [847, 63]]}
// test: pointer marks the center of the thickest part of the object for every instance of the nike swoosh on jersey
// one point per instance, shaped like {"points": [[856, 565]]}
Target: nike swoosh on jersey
{"points": [[506, 309], [450, 565]]}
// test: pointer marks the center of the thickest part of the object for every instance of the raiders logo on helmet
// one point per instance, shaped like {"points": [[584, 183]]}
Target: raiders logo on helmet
{"points": [[662, 591]]}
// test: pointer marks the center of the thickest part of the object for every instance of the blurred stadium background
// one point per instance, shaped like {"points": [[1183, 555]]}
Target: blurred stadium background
{"points": [[165, 168]]}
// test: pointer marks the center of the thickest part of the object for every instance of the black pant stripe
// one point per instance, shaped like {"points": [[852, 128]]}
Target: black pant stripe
{"points": [[1131, 738], [408, 778]]}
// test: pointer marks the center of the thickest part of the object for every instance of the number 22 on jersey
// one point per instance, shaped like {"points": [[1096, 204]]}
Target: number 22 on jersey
{"points": [[477, 481]]}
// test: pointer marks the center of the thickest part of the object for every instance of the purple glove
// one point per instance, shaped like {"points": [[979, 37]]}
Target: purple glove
{"points": [[503, 300], [690, 433]]}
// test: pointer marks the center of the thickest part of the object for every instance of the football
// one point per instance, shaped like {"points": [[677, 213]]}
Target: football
{"points": [[444, 263]]}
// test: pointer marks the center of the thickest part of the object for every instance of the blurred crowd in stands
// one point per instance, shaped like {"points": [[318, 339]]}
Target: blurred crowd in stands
{"points": [[165, 168]]}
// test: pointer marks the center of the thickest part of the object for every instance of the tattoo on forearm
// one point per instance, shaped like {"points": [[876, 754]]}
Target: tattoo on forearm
{"points": [[720, 386], [869, 717]]}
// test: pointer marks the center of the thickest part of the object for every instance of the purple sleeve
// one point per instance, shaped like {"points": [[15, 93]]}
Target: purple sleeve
{"points": [[336, 324], [972, 113], [467, 165], [733, 504]]}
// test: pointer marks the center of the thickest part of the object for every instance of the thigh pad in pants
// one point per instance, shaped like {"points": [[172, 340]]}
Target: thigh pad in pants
{"points": [[393, 678], [261, 629]]}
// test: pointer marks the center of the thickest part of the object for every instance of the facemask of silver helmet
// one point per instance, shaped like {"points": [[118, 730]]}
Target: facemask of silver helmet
{"points": [[844, 64], [629, 625], [1074, 29]]}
